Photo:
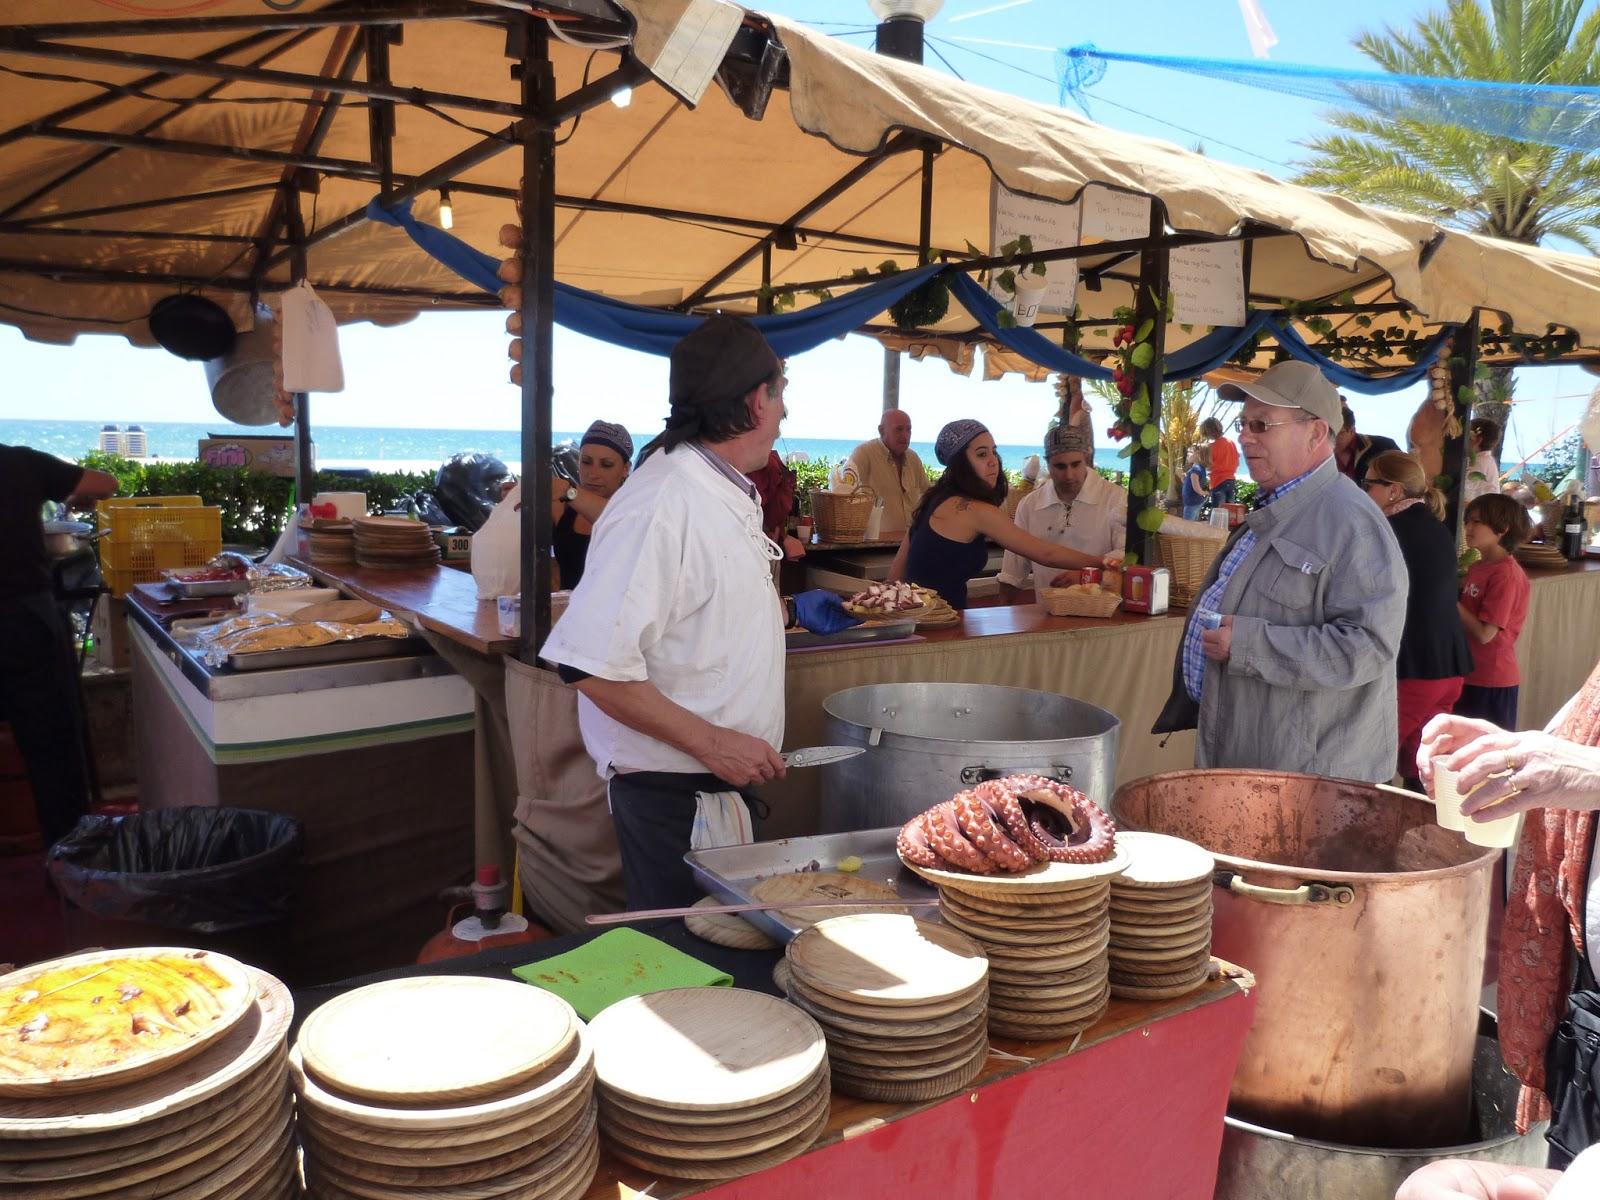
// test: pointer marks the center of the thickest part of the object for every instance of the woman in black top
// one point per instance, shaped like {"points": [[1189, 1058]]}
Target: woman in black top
{"points": [[602, 467], [1434, 655]]}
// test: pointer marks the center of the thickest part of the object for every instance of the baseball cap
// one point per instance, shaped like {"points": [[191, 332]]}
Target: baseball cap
{"points": [[1290, 385]]}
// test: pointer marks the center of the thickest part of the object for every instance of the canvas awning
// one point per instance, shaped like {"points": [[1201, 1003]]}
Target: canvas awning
{"points": [[658, 201]]}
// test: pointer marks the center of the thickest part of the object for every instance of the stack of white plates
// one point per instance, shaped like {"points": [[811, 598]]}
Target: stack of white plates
{"points": [[446, 1086]]}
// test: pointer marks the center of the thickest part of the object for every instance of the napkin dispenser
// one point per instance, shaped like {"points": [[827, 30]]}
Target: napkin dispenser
{"points": [[1146, 590]]}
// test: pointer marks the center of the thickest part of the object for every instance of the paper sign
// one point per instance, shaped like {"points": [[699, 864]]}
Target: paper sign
{"points": [[1110, 216], [694, 51], [1207, 284], [1050, 225]]}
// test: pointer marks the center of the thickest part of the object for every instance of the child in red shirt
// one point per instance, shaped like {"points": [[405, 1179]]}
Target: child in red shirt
{"points": [[1493, 606]]}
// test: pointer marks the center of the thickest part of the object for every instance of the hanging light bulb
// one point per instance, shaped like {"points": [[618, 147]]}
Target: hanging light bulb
{"points": [[447, 214], [622, 97]]}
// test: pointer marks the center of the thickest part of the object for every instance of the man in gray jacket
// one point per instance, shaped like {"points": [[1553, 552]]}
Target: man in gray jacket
{"points": [[1308, 599]]}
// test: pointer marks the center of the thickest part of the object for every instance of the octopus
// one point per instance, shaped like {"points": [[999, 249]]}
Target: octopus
{"points": [[1005, 826]]}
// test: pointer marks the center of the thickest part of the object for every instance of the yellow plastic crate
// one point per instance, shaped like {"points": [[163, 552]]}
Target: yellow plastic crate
{"points": [[151, 534]]}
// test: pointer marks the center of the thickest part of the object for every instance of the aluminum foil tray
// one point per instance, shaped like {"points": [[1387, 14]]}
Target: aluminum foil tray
{"points": [[730, 872]]}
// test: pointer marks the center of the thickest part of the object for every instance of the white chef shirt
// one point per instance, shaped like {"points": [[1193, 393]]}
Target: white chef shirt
{"points": [[1097, 525], [677, 590]]}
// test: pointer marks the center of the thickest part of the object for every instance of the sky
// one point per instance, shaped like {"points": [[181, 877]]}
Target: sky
{"points": [[449, 369]]}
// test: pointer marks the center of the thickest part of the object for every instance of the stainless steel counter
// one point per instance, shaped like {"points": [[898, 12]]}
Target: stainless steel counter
{"points": [[416, 661]]}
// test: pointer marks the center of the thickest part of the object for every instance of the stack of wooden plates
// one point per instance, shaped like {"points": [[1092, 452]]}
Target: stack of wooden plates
{"points": [[709, 1083], [903, 1004], [1541, 554], [446, 1086], [176, 1085], [1160, 918], [726, 929], [332, 543], [938, 614], [394, 543], [1046, 933]]}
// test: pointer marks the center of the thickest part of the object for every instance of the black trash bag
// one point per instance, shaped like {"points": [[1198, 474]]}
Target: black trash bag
{"points": [[424, 507], [468, 487], [564, 460], [204, 870]]}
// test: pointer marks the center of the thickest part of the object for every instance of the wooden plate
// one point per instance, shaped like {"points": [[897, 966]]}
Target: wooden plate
{"points": [[1036, 916], [1059, 962], [912, 1091], [1142, 925], [1154, 938], [1163, 861], [547, 1090], [345, 612], [1156, 954], [435, 1038], [723, 1168], [764, 1136], [1160, 899], [1025, 935], [714, 1118], [892, 1054], [216, 1067], [91, 1021], [887, 959], [1166, 971], [820, 885], [736, 1125], [233, 1170], [924, 1064], [380, 524], [727, 929], [705, 1048], [1040, 879], [883, 1028], [1054, 1012], [1169, 991], [824, 1002]]}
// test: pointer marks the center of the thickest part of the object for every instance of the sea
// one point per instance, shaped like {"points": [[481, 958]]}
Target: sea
{"points": [[378, 449]]}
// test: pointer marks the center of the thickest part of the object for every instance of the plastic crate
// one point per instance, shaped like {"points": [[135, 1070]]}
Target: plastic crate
{"points": [[151, 534]]}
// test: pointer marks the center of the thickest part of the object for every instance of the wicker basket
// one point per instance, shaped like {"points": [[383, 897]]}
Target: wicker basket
{"points": [[1014, 497], [1064, 602], [1187, 559], [842, 516]]}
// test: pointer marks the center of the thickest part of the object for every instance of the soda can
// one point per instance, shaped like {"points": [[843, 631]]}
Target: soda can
{"points": [[1089, 576]]}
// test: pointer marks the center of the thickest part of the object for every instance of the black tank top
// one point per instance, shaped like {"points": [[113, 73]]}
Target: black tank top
{"points": [[570, 546]]}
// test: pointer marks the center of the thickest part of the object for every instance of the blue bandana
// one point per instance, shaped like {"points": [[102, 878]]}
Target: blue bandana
{"points": [[953, 439], [611, 435]]}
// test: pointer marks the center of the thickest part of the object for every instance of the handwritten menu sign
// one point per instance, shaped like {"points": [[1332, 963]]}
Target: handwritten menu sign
{"points": [[1110, 216], [1208, 284], [1050, 225]]}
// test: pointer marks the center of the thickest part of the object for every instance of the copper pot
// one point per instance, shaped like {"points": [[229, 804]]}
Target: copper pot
{"points": [[1365, 925]]}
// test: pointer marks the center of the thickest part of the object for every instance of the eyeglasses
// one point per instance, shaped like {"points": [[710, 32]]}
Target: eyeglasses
{"points": [[1258, 427]]}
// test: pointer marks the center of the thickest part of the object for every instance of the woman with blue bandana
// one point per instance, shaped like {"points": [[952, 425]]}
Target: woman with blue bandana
{"points": [[603, 459], [948, 542]]}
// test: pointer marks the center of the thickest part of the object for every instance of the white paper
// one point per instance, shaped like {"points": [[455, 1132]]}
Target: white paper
{"points": [[693, 53], [1049, 225], [310, 335], [1112, 216], [1207, 284]]}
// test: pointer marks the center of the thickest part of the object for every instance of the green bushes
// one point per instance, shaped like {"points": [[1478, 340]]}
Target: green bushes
{"points": [[254, 505]]}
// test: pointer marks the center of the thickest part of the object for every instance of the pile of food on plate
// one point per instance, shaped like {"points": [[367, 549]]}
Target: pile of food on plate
{"points": [[1007, 826], [888, 600]]}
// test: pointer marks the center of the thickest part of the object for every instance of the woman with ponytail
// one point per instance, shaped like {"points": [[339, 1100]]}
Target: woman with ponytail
{"points": [[1434, 656]]}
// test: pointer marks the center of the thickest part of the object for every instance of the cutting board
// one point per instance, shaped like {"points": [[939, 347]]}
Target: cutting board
{"points": [[705, 1048], [434, 1038]]}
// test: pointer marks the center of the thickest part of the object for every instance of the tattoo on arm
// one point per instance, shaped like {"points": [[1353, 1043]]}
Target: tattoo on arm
{"points": [[963, 504]]}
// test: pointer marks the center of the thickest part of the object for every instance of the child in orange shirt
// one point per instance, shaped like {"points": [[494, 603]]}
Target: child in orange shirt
{"points": [[1493, 606]]}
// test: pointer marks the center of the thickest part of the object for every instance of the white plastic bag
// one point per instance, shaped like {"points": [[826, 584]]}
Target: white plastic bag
{"points": [[310, 343], [497, 550], [720, 819]]}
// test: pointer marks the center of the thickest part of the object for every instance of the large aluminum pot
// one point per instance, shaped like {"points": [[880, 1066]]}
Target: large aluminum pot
{"points": [[1365, 924], [1259, 1162], [928, 741]]}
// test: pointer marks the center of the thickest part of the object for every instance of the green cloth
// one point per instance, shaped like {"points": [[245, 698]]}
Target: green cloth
{"points": [[618, 964]]}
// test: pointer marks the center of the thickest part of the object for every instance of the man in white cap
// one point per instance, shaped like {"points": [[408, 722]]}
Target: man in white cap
{"points": [[1287, 659], [1078, 508]]}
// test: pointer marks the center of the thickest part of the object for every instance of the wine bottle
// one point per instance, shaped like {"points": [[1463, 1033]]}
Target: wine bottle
{"points": [[1572, 531]]}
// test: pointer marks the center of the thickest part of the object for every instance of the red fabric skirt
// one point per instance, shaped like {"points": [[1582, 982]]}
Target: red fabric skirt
{"points": [[1420, 701]]}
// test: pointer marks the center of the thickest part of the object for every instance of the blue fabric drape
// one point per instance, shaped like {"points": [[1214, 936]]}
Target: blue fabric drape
{"points": [[655, 332]]}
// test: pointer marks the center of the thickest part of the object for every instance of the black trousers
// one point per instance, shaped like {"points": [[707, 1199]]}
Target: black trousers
{"points": [[653, 812], [39, 698]]}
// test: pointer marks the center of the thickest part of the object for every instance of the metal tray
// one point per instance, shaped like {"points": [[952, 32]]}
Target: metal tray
{"points": [[883, 631], [208, 587], [730, 872], [316, 656]]}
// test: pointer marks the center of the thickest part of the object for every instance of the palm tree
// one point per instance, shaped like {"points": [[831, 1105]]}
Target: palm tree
{"points": [[1520, 191]]}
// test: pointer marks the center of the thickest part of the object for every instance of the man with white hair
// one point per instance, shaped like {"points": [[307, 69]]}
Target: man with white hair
{"points": [[1288, 657], [890, 467]]}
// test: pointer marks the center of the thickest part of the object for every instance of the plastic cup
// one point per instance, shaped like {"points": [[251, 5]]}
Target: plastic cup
{"points": [[1446, 800], [1498, 834], [509, 609]]}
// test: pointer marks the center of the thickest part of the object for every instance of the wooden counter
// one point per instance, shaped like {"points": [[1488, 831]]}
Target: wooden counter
{"points": [[442, 601]]}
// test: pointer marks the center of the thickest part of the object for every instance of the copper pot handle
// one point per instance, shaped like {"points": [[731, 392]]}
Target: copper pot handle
{"points": [[1309, 892]]}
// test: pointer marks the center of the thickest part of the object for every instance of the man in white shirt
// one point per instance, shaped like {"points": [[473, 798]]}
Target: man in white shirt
{"points": [[889, 466], [674, 638], [1076, 508]]}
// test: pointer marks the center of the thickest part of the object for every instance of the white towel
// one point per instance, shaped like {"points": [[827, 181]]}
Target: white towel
{"points": [[720, 819]]}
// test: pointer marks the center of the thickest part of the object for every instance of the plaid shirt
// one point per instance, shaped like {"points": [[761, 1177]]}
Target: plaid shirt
{"points": [[1194, 659]]}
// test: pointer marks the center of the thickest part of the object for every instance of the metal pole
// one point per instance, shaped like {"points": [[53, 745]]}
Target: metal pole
{"points": [[305, 471], [1149, 304], [538, 313], [891, 378], [1458, 450]]}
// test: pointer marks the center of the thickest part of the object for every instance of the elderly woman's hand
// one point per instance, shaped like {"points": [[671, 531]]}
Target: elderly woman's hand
{"points": [[1444, 735], [1519, 771]]}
